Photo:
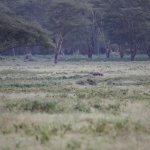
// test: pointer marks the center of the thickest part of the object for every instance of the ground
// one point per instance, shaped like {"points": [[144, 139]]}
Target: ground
{"points": [[44, 106]]}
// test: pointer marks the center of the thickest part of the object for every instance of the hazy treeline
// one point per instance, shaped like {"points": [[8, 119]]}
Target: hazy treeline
{"points": [[73, 26]]}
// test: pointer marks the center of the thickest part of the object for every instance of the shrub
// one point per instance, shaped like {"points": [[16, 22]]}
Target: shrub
{"points": [[85, 81], [29, 57]]}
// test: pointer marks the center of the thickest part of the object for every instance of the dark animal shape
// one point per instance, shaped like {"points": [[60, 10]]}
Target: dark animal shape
{"points": [[96, 73]]}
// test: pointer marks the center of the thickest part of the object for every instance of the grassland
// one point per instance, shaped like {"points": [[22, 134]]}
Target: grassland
{"points": [[61, 107]]}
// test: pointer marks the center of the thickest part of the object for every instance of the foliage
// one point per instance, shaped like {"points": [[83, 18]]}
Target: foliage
{"points": [[29, 57], [65, 18], [126, 23], [85, 26], [16, 32]]}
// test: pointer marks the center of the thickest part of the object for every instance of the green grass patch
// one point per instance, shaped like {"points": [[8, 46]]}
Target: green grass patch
{"points": [[43, 104]]}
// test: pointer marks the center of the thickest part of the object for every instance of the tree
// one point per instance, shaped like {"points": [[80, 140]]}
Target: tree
{"points": [[125, 23], [94, 14], [28, 9], [65, 18], [145, 4], [3, 8], [17, 32], [97, 10]]}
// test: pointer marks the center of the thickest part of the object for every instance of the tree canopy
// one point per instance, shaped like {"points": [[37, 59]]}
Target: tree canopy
{"points": [[18, 32], [65, 18], [126, 22], [87, 25]]}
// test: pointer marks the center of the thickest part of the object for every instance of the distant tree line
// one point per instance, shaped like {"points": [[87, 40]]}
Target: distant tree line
{"points": [[75, 26]]}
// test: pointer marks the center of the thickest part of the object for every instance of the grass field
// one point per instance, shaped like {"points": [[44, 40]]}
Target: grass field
{"points": [[61, 107]]}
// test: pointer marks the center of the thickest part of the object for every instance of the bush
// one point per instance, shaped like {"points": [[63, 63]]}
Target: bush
{"points": [[85, 81], [37, 106], [29, 57]]}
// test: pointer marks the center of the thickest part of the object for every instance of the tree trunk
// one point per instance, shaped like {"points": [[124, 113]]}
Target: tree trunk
{"points": [[108, 53], [121, 54], [26, 50], [56, 58], [121, 50], [90, 53], [148, 51], [57, 49], [133, 52], [132, 55], [13, 50]]}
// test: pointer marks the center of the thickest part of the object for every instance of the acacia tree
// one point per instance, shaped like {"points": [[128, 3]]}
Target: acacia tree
{"points": [[17, 32], [146, 39], [91, 39], [114, 27], [125, 20], [65, 18], [94, 12], [145, 4], [76, 43], [28, 9], [88, 39]]}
